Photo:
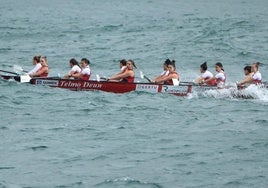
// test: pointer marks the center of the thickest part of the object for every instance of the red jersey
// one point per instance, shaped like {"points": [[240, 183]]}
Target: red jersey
{"points": [[85, 77], [44, 74], [129, 79], [170, 82]]}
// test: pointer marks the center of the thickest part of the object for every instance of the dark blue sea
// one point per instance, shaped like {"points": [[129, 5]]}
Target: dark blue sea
{"points": [[58, 138]]}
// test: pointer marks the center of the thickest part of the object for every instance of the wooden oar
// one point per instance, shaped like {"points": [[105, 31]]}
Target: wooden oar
{"points": [[9, 72], [141, 74]]}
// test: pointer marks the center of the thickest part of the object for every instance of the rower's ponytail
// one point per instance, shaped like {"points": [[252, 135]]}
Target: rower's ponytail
{"points": [[204, 66], [123, 62], [73, 61], [257, 64], [85, 60], [219, 64], [37, 58]]}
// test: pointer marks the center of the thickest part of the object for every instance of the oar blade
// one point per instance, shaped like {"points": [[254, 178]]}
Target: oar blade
{"points": [[97, 77], [141, 75], [25, 78], [18, 69]]}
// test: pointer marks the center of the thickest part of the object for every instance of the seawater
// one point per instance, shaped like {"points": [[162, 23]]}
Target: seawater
{"points": [[59, 138]]}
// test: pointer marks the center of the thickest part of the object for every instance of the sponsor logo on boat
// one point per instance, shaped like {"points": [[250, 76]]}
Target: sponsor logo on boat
{"points": [[147, 88], [47, 82], [80, 84], [70, 84], [174, 89], [88, 85]]}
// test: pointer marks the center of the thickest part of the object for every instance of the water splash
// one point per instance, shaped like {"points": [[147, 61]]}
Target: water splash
{"points": [[129, 182], [258, 92]]}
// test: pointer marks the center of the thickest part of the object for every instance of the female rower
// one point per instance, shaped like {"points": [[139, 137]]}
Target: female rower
{"points": [[248, 76], [85, 73], [256, 78], [43, 71], [127, 76], [122, 65], [36, 63], [220, 76], [171, 75], [205, 75], [165, 69], [75, 68]]}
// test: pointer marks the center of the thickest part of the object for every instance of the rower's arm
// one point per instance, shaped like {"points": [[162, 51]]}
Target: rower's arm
{"points": [[157, 77], [210, 79], [35, 69], [76, 75], [121, 75], [163, 79], [199, 80], [246, 80], [38, 73]]}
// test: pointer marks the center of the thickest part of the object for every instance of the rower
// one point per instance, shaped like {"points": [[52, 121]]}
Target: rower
{"points": [[43, 71], [36, 63], [85, 73], [168, 79], [253, 75], [122, 65], [165, 69], [256, 73], [248, 77], [220, 76], [75, 68], [205, 75], [127, 76]]}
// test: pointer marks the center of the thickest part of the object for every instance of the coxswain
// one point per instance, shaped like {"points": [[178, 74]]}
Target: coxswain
{"points": [[85, 73], [205, 75], [43, 71], [220, 76], [168, 79], [36, 63], [165, 69], [128, 75], [75, 68]]}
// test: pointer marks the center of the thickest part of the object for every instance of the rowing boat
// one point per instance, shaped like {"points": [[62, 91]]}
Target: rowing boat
{"points": [[114, 87], [182, 89]]}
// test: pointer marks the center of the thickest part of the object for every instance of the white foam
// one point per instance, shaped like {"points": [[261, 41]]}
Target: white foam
{"points": [[251, 92]]}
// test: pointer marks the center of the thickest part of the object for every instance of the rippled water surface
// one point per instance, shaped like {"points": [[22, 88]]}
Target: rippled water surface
{"points": [[58, 138]]}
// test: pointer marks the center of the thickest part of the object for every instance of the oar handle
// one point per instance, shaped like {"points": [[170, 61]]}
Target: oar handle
{"points": [[148, 79], [103, 78], [187, 83]]}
